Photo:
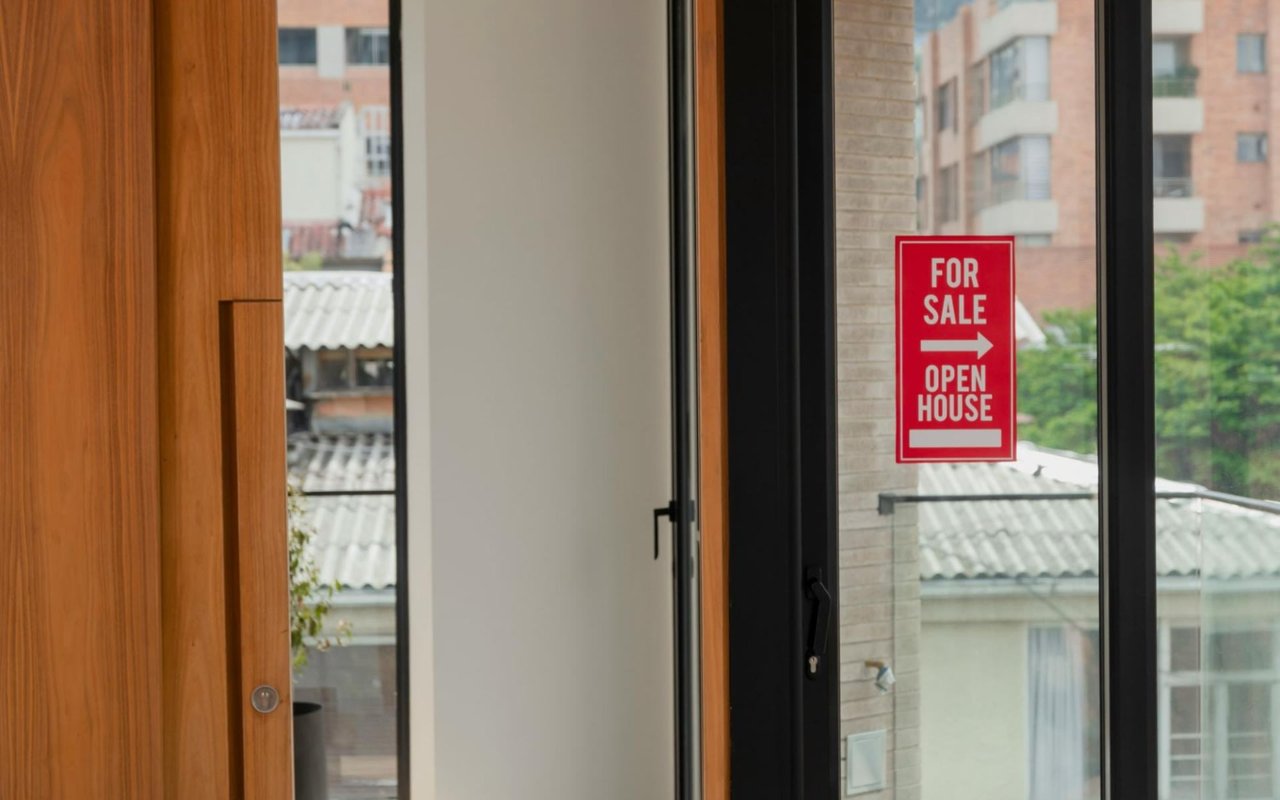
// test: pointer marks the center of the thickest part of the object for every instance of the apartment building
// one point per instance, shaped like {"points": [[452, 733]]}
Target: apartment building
{"points": [[1006, 133], [334, 51], [334, 64]]}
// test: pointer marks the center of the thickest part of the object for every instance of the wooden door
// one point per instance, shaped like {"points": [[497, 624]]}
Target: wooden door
{"points": [[80, 662], [142, 509], [221, 390]]}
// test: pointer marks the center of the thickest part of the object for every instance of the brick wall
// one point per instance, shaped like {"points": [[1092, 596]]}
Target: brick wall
{"points": [[355, 13], [875, 170], [1237, 196], [359, 85]]}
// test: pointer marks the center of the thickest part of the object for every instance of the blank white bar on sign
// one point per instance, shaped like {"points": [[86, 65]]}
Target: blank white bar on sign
{"points": [[979, 437]]}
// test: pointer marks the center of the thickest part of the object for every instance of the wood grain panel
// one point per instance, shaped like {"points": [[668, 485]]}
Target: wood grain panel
{"points": [[80, 655], [712, 399], [218, 239], [254, 457]]}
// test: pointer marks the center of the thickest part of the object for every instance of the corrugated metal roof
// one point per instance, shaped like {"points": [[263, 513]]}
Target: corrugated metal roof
{"points": [[971, 539], [355, 541], [337, 309], [1059, 538], [342, 462], [355, 535]]}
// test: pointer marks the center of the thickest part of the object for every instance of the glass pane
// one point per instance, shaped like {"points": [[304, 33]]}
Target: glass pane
{"points": [[335, 154], [969, 591], [1217, 315]]}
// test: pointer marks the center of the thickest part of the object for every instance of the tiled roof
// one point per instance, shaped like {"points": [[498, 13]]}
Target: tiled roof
{"points": [[311, 118], [307, 238], [1006, 539], [355, 535], [326, 309]]}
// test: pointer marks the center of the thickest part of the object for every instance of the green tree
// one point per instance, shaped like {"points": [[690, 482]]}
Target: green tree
{"points": [[1217, 375], [1058, 384]]}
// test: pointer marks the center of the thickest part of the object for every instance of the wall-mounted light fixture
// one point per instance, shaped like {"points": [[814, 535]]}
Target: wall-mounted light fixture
{"points": [[884, 675]]}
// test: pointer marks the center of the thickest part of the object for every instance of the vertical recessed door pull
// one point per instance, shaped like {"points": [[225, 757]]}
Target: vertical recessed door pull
{"points": [[668, 511], [817, 592]]}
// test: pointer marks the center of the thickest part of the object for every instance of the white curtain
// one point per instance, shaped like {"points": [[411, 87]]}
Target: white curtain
{"points": [[1056, 707], [1035, 166], [1035, 66]]}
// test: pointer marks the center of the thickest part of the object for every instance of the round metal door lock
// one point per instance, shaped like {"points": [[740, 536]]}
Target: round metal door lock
{"points": [[265, 699]]}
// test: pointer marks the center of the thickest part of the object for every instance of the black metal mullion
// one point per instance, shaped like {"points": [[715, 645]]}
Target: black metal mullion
{"points": [[681, 396], [783, 658], [400, 403], [1126, 390], [765, 609], [817, 433]]}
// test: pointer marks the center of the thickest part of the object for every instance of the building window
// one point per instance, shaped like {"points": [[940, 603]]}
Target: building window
{"points": [[1250, 236], [297, 46], [1251, 52], [1020, 71], [377, 154], [1172, 74], [1018, 170], [945, 111], [1251, 147], [344, 370], [333, 370], [1219, 741], [368, 46], [1171, 167], [375, 368], [948, 202]]}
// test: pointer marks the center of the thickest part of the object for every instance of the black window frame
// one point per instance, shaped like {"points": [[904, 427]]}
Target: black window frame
{"points": [[356, 48], [283, 32], [1251, 147], [780, 307], [1242, 68]]}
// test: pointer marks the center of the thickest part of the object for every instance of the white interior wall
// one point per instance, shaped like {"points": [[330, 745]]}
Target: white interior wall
{"points": [[537, 370]]}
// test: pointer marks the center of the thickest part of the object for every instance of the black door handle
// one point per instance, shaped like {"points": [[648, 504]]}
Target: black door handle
{"points": [[817, 591], [668, 511]]}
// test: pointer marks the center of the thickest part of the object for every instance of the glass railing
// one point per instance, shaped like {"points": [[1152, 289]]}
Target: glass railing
{"points": [[1173, 187], [1005, 191], [1019, 90], [1173, 86]]}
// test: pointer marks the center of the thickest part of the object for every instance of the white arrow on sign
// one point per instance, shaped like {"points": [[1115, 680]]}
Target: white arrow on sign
{"points": [[979, 345]]}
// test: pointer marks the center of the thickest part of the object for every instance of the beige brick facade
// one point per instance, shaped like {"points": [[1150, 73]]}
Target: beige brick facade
{"points": [[875, 170]]}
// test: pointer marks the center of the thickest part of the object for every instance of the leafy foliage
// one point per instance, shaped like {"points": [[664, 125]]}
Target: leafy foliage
{"points": [[310, 599], [1217, 374], [306, 263]]}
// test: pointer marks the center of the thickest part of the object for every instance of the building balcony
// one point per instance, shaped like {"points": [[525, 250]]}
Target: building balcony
{"points": [[1015, 19], [1177, 114], [1017, 207], [1176, 209], [1026, 111], [1177, 17]]}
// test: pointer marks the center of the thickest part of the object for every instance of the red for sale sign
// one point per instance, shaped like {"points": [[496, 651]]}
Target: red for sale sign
{"points": [[956, 349]]}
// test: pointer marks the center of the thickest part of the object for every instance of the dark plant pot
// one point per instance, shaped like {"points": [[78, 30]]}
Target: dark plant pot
{"points": [[310, 773]]}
